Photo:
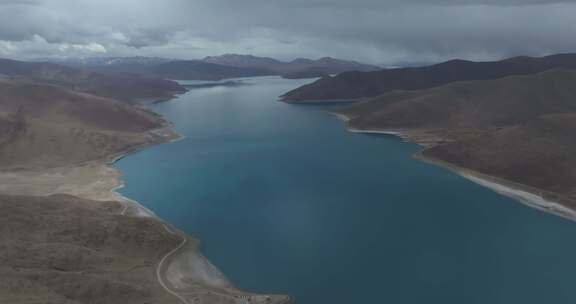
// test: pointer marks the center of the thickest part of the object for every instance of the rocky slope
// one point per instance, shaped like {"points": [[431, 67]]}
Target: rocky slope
{"points": [[518, 129], [356, 85]]}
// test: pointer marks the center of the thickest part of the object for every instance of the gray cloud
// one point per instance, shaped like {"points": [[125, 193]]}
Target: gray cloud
{"points": [[378, 31], [19, 2]]}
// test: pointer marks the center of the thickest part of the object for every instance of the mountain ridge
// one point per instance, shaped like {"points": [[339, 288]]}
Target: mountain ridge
{"points": [[357, 85], [126, 87], [217, 67], [327, 65]]}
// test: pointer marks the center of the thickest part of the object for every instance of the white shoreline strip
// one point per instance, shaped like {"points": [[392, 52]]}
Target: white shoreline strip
{"points": [[525, 197], [341, 116], [346, 119], [395, 133]]}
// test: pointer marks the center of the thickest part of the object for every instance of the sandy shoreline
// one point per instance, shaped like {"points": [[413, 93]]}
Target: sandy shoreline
{"points": [[184, 272], [530, 196]]}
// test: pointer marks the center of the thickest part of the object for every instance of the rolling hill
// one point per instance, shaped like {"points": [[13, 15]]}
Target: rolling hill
{"points": [[357, 85], [126, 87], [199, 70], [470, 104], [518, 128], [44, 126]]}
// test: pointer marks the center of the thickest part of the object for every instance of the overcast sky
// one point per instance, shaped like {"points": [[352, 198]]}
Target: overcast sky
{"points": [[375, 31]]}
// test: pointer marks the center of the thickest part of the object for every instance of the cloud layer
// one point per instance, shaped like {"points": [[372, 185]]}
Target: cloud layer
{"points": [[377, 31]]}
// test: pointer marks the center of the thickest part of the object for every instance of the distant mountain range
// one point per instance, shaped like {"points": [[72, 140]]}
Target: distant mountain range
{"points": [[355, 85], [109, 64], [200, 70], [326, 65], [218, 67]]}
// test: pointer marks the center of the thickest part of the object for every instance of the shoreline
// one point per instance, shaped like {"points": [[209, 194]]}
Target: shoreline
{"points": [[402, 134], [526, 195], [170, 136], [183, 272], [539, 199], [318, 102]]}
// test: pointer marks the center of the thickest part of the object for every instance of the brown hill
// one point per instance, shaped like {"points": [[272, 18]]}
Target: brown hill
{"points": [[539, 153], [355, 85], [65, 249], [45, 126], [126, 87], [518, 128], [475, 104]]}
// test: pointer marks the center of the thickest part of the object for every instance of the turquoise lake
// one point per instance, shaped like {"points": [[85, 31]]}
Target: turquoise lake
{"points": [[285, 200]]}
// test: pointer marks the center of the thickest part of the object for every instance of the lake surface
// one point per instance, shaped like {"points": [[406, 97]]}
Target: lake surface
{"points": [[285, 200]]}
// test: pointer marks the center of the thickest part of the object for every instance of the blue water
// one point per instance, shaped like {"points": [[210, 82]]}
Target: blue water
{"points": [[286, 200]]}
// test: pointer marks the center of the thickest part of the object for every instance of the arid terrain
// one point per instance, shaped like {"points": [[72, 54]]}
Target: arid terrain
{"points": [[66, 236], [517, 131], [64, 249]]}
